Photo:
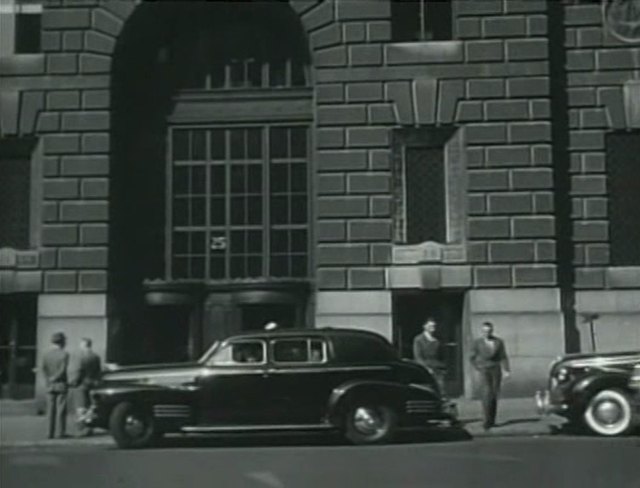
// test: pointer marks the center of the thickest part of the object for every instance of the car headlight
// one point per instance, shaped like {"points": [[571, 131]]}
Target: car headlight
{"points": [[562, 375]]}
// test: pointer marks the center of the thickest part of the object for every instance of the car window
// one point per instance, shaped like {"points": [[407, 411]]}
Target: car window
{"points": [[299, 351], [240, 352]]}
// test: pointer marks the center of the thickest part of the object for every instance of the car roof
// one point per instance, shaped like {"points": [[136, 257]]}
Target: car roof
{"points": [[297, 332]]}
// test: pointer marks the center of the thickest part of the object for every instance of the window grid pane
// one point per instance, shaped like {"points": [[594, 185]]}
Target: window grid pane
{"points": [[219, 203]]}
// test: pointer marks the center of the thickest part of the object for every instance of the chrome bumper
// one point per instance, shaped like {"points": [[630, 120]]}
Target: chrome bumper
{"points": [[450, 408], [89, 417], [544, 405]]}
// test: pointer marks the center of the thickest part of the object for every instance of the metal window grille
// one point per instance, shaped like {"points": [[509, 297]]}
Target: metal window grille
{"points": [[623, 173], [15, 185], [425, 203]]}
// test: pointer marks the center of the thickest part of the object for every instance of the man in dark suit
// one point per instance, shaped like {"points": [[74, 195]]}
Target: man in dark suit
{"points": [[428, 352], [489, 358], [89, 370], [54, 369]]}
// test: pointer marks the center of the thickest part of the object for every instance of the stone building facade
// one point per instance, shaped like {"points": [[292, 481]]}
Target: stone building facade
{"points": [[169, 180]]}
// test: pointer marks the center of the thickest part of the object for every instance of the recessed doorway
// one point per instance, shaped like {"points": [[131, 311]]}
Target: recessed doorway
{"points": [[412, 308]]}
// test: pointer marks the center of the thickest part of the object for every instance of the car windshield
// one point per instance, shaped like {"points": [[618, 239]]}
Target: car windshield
{"points": [[209, 352]]}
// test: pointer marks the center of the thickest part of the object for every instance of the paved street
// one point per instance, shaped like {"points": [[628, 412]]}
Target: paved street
{"points": [[324, 461]]}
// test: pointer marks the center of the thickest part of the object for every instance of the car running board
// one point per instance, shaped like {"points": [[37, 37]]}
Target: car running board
{"points": [[253, 428]]}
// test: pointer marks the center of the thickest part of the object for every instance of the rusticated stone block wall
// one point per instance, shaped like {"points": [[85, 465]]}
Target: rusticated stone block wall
{"points": [[598, 64]]}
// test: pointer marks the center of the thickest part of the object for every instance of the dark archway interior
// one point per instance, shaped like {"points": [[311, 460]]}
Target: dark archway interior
{"points": [[156, 50]]}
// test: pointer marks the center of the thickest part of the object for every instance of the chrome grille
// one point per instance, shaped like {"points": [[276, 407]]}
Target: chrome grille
{"points": [[165, 411], [421, 406]]}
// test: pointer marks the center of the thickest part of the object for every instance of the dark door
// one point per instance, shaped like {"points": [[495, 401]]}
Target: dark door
{"points": [[256, 316], [234, 388], [411, 309], [299, 381], [18, 324]]}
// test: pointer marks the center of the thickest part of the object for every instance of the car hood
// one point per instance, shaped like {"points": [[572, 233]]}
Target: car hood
{"points": [[159, 374], [613, 361]]}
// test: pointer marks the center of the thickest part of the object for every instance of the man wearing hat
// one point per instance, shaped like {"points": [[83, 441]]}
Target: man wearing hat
{"points": [[54, 369]]}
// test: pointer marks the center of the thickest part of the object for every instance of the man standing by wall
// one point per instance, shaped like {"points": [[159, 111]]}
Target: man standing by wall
{"points": [[489, 358], [54, 369], [428, 352], [89, 369]]}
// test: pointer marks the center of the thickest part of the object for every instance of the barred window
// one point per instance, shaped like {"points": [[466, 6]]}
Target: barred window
{"points": [[425, 195], [15, 184], [18, 161], [623, 172], [421, 20], [421, 183]]}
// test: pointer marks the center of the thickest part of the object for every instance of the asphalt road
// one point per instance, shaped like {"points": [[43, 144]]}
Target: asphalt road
{"points": [[307, 462]]}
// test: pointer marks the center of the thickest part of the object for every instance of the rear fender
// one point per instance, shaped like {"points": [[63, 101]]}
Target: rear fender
{"points": [[394, 395]]}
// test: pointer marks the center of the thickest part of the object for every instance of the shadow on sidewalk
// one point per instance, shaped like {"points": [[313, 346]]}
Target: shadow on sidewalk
{"points": [[268, 440], [518, 421]]}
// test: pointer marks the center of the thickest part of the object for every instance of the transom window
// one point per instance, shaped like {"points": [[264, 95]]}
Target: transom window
{"points": [[239, 202], [299, 351], [244, 52], [421, 20]]}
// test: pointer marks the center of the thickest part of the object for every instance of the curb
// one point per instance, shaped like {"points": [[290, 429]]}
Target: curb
{"points": [[55, 443]]}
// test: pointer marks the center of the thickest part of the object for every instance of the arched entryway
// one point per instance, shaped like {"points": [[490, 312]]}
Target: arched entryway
{"points": [[210, 177]]}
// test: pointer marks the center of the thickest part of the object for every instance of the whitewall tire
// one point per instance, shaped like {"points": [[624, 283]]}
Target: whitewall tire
{"points": [[609, 413]]}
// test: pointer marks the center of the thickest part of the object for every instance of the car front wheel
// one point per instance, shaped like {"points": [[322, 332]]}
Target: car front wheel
{"points": [[609, 413], [370, 424], [132, 426]]}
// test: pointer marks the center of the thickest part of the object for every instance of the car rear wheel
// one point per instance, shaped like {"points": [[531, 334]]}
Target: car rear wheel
{"points": [[131, 426], [370, 424], [609, 413]]}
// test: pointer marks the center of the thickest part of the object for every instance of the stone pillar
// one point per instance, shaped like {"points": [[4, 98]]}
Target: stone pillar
{"points": [[368, 310], [531, 324]]}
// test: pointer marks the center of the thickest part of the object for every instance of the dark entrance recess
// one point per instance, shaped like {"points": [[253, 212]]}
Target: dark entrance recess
{"points": [[254, 317], [170, 51], [18, 320], [411, 308], [168, 334]]}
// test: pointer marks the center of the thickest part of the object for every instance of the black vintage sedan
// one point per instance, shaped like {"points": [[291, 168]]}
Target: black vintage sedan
{"points": [[593, 391], [306, 379]]}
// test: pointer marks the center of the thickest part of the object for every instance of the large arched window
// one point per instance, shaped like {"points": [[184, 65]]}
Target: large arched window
{"points": [[238, 178]]}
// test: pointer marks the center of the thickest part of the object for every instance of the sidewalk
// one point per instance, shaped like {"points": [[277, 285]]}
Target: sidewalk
{"points": [[516, 417]]}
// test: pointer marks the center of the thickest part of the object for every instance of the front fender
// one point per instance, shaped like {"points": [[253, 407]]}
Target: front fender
{"points": [[586, 387], [394, 395], [106, 397]]}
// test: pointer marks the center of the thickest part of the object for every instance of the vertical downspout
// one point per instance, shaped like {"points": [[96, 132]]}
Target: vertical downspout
{"points": [[562, 171]]}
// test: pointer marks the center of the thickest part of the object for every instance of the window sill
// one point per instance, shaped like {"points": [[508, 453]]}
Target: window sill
{"points": [[428, 252], [424, 52]]}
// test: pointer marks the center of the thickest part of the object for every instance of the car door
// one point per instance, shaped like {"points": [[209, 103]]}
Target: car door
{"points": [[232, 387], [298, 380]]}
